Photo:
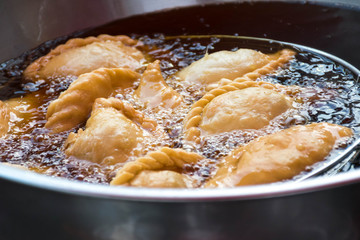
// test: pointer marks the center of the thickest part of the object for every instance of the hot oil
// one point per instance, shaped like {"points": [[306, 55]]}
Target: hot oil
{"points": [[329, 94]]}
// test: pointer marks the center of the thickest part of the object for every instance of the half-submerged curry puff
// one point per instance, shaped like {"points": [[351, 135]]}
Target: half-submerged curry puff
{"points": [[239, 105], [114, 133], [74, 105], [83, 55], [279, 156], [211, 69], [248, 108], [158, 169]]}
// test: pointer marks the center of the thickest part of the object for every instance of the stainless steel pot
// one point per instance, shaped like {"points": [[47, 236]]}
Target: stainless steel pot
{"points": [[33, 206]]}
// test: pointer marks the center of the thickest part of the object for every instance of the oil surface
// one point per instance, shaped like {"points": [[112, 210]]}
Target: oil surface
{"points": [[330, 92]]}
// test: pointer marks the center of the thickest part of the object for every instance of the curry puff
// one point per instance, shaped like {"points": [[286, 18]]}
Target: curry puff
{"points": [[223, 66], [74, 105], [239, 105], [158, 169], [279, 156], [114, 132], [83, 55]]}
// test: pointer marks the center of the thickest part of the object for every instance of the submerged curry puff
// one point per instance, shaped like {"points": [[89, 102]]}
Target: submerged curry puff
{"points": [[212, 68], [248, 108], [74, 105], [240, 105], [278, 156], [83, 55], [161, 179], [158, 169], [113, 133]]}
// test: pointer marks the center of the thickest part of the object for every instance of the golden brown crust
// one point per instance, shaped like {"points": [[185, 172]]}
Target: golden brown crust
{"points": [[32, 71], [128, 112], [278, 61], [162, 179], [220, 68], [194, 117], [285, 56], [278, 156], [164, 158], [114, 132], [74, 105], [249, 108]]}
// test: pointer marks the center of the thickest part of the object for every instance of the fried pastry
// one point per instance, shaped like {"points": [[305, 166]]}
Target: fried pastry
{"points": [[154, 92], [157, 169], [83, 55], [211, 69], [249, 108], [114, 132], [161, 179], [74, 105], [278, 156], [243, 104]]}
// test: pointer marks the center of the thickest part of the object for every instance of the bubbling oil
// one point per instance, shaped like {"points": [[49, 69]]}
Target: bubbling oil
{"points": [[328, 91]]}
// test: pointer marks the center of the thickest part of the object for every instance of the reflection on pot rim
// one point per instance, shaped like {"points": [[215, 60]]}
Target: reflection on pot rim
{"points": [[175, 195]]}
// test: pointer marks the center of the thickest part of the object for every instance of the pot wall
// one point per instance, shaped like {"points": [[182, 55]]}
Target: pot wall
{"points": [[31, 213], [26, 24]]}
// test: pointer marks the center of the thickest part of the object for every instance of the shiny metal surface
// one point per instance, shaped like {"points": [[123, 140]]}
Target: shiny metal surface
{"points": [[33, 206], [48, 208]]}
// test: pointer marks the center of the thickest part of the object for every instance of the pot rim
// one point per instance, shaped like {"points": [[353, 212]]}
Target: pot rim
{"points": [[66, 186]]}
